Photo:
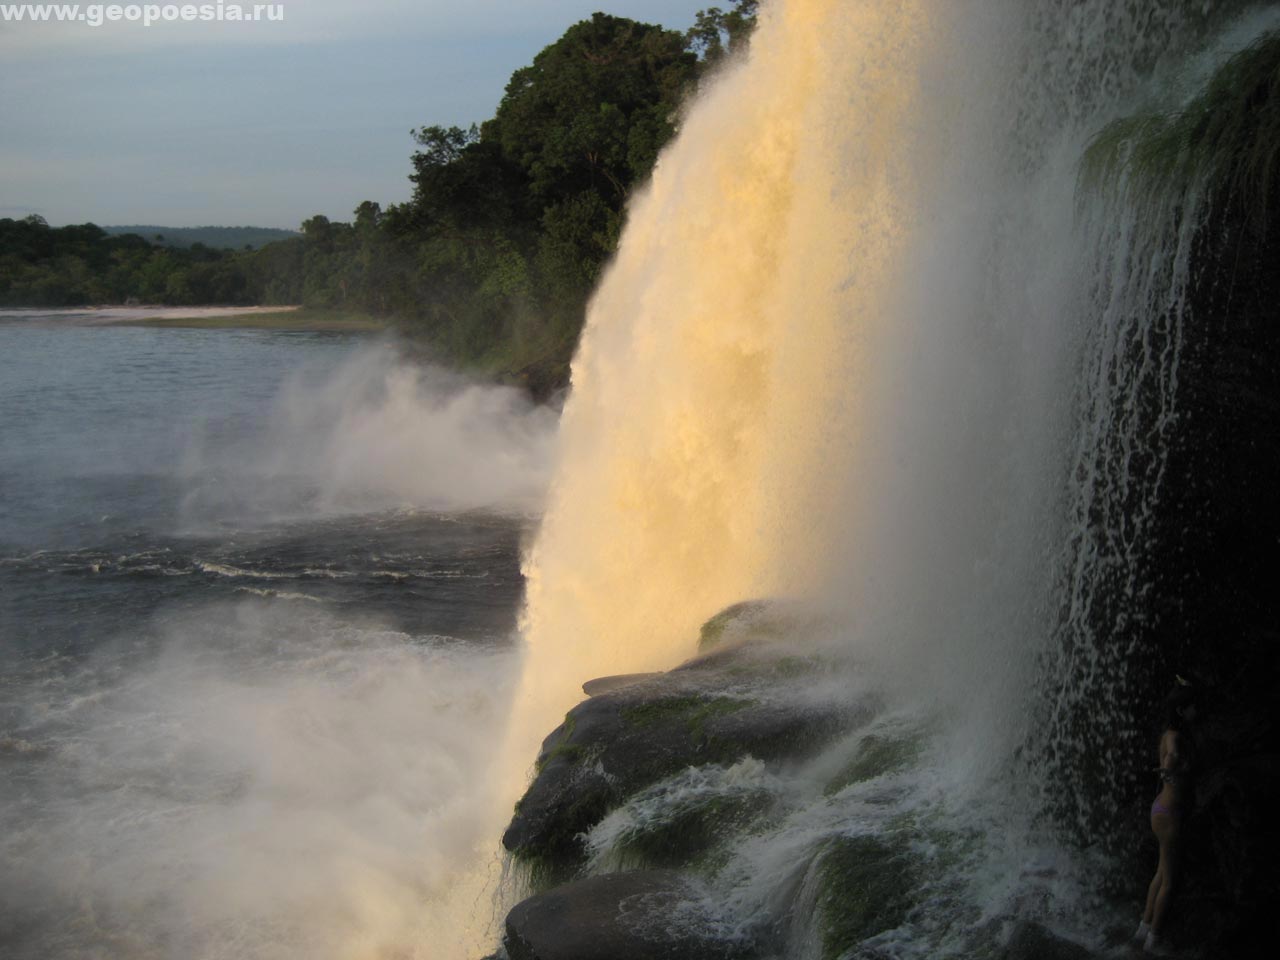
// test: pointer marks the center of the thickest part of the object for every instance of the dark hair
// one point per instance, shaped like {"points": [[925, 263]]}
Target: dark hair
{"points": [[1176, 704]]}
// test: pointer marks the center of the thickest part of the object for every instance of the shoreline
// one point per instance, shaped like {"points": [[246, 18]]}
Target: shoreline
{"points": [[295, 318]]}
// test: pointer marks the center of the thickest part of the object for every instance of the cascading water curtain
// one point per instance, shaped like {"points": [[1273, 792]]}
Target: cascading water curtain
{"points": [[1149, 183], [884, 331]]}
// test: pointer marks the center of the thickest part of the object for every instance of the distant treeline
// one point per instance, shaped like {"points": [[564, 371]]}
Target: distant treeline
{"points": [[219, 238], [492, 259], [43, 266]]}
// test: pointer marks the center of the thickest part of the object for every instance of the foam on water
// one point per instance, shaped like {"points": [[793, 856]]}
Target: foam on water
{"points": [[255, 727], [269, 786]]}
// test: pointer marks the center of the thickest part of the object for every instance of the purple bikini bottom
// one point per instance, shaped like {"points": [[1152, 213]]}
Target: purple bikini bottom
{"points": [[1158, 807]]}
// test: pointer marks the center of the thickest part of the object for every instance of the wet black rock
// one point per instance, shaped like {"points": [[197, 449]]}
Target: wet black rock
{"points": [[648, 915], [1031, 941], [1199, 595], [733, 703], [866, 887]]}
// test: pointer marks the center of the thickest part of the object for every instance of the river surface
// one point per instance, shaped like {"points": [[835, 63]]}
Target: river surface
{"points": [[256, 589]]}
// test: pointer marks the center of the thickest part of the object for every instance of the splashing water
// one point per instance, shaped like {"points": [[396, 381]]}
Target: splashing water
{"points": [[868, 340], [376, 432], [250, 674], [709, 383]]}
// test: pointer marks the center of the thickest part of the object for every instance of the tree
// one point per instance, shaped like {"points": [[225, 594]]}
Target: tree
{"points": [[716, 32], [592, 109], [318, 232], [441, 145], [368, 217]]}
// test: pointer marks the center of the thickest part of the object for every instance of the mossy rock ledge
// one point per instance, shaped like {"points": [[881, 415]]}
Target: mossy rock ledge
{"points": [[751, 699], [620, 916]]}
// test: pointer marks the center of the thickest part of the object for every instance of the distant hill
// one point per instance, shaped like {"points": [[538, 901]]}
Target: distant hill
{"points": [[219, 238]]}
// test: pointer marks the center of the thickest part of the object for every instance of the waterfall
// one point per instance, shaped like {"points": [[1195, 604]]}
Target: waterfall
{"points": [[1143, 228], [872, 339], [837, 352], [708, 390]]}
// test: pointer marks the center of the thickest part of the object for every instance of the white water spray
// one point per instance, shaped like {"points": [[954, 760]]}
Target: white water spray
{"points": [[378, 432], [710, 389], [838, 352], [840, 355]]}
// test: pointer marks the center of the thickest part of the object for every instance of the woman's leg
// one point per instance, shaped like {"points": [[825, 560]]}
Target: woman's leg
{"points": [[1154, 889], [1168, 873]]}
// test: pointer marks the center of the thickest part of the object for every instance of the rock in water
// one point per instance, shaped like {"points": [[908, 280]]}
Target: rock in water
{"points": [[734, 703], [1031, 941], [648, 915], [593, 688]]}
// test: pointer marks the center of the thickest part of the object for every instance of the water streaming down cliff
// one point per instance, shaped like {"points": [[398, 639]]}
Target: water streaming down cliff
{"points": [[837, 353], [709, 391], [869, 341]]}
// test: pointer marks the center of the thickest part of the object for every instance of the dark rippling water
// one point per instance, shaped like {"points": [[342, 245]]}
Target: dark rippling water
{"points": [[235, 620]]}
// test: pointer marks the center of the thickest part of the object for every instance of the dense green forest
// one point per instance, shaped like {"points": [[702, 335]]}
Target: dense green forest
{"points": [[492, 259], [219, 238], [43, 266]]}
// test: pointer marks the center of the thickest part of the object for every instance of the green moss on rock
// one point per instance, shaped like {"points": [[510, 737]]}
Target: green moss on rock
{"points": [[692, 829], [868, 886], [750, 616], [756, 620], [1227, 137], [620, 742], [694, 711], [557, 857], [878, 754]]}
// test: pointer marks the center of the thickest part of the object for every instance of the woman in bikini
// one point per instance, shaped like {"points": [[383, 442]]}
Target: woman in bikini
{"points": [[1167, 814]]}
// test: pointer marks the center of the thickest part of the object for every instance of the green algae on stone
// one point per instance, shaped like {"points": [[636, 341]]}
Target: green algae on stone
{"points": [[620, 742], [751, 620], [557, 857], [692, 829], [563, 749], [695, 711], [878, 754], [867, 886], [1226, 138]]}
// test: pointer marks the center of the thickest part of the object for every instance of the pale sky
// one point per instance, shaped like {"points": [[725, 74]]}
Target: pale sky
{"points": [[263, 123]]}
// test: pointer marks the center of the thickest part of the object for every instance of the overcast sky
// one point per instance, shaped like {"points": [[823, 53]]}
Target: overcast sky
{"points": [[263, 124]]}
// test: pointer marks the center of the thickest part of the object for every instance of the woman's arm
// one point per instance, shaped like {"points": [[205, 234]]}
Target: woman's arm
{"points": [[1171, 759]]}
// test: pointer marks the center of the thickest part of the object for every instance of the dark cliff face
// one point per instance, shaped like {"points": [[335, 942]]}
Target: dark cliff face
{"points": [[1216, 596], [1208, 603], [1198, 595]]}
